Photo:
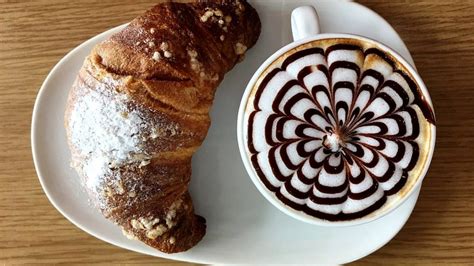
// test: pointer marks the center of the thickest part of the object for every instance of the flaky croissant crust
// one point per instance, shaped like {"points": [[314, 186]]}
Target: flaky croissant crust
{"points": [[139, 109]]}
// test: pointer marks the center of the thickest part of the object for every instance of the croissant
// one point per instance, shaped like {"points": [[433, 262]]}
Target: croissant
{"points": [[139, 109]]}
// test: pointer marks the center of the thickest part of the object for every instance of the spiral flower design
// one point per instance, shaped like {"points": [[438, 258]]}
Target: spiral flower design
{"points": [[334, 131]]}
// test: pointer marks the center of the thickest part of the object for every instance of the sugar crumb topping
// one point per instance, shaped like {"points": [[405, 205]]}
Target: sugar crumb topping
{"points": [[155, 227], [156, 232], [164, 46], [167, 54], [217, 16], [218, 12], [240, 8], [207, 15], [171, 214], [156, 56], [194, 62], [129, 235], [150, 225], [240, 48], [193, 54]]}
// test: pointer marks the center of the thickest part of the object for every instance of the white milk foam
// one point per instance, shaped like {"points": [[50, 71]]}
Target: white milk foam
{"points": [[343, 127]]}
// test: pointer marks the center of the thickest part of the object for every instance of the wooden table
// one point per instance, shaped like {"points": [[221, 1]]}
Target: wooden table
{"points": [[34, 35]]}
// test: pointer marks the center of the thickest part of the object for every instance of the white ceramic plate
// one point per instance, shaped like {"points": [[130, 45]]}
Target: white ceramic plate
{"points": [[242, 226]]}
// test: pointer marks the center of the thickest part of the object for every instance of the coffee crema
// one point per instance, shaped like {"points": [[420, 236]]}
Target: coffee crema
{"points": [[338, 129]]}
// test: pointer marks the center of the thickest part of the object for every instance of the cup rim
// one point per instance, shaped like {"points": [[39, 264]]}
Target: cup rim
{"points": [[271, 196]]}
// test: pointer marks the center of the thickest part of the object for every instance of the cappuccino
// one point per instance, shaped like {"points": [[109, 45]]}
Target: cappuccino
{"points": [[338, 129]]}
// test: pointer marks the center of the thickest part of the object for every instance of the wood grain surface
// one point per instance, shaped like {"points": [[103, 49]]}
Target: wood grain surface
{"points": [[34, 35]]}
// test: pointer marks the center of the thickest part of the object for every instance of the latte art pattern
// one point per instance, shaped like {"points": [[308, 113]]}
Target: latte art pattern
{"points": [[335, 131]]}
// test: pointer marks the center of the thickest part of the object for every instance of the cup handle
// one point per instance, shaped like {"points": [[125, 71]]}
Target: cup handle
{"points": [[304, 22]]}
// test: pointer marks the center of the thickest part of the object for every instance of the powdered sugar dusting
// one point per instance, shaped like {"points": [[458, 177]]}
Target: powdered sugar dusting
{"points": [[115, 139], [94, 168], [106, 130]]}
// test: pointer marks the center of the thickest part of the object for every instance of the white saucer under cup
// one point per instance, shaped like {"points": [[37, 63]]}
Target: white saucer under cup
{"points": [[242, 226], [306, 29]]}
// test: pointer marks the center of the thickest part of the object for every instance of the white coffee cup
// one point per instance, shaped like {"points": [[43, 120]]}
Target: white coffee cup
{"points": [[305, 29]]}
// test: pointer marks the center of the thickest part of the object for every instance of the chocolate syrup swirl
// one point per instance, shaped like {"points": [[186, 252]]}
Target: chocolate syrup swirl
{"points": [[334, 132]]}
